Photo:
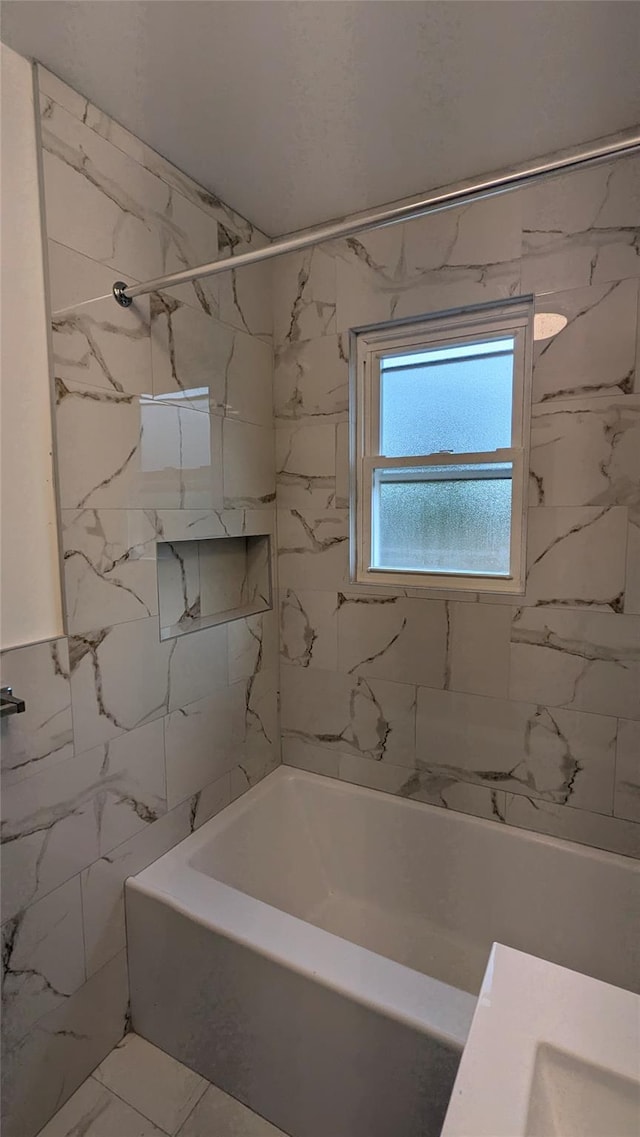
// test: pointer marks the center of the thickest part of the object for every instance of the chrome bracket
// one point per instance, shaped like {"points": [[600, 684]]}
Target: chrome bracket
{"points": [[119, 294]]}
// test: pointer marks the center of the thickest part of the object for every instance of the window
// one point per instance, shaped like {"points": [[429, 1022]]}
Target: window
{"points": [[439, 430]]}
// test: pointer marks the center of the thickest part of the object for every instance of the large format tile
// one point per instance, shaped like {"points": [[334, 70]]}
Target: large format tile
{"points": [[586, 452], [204, 740], [595, 353], [460, 257], [245, 293], [306, 464], [588, 661], [253, 645], [100, 344], [217, 1113], [611, 833], [95, 1111], [42, 1071], [107, 206], [249, 468], [58, 822], [371, 717], [309, 628], [581, 229], [560, 755], [43, 959], [576, 556], [156, 1085], [109, 567], [478, 646], [117, 451], [313, 549], [311, 380], [437, 787], [397, 639], [626, 802], [304, 293], [43, 734]]}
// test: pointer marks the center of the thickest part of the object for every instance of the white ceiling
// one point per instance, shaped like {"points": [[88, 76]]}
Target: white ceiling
{"points": [[296, 112]]}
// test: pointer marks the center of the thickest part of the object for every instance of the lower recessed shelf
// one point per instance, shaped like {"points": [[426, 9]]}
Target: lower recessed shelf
{"points": [[208, 582]]}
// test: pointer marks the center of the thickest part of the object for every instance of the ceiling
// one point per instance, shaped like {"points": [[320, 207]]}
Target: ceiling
{"points": [[299, 111]]}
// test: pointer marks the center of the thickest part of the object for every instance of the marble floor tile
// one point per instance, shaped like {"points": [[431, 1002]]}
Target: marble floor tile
{"points": [[371, 717], [109, 567], [589, 661], [217, 1113], [94, 1111], [397, 639], [43, 959], [146, 1078], [48, 1064], [556, 754], [576, 557], [626, 802], [586, 452], [60, 821], [43, 734], [595, 353], [311, 380]]}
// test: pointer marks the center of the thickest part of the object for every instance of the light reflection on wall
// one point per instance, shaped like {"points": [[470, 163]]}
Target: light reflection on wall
{"points": [[173, 436]]}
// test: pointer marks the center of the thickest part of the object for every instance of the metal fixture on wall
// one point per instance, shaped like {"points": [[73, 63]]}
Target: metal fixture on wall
{"points": [[616, 146], [9, 703]]}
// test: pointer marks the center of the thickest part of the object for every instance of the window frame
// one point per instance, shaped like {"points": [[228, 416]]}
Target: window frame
{"points": [[368, 345]]}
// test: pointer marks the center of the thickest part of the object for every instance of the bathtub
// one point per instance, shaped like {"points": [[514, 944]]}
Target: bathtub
{"points": [[316, 949]]}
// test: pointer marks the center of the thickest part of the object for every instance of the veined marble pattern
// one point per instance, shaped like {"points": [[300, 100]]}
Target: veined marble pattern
{"points": [[626, 801], [249, 475], [576, 557], [58, 822], [178, 583], [401, 640], [123, 676], [188, 524], [245, 293], [107, 206], [463, 256], [309, 628], [113, 132], [103, 345], [349, 713], [586, 452], [204, 740], [582, 229], [42, 736], [64, 1046], [595, 354], [306, 465], [253, 644], [311, 379], [588, 661], [632, 587], [42, 959], [117, 451], [103, 882], [313, 548], [560, 755], [304, 289], [109, 566]]}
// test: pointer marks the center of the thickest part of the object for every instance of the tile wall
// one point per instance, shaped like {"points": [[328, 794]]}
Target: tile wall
{"points": [[164, 427], [526, 712]]}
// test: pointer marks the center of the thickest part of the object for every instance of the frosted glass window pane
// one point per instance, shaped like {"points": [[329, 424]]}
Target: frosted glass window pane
{"points": [[459, 405], [445, 524]]}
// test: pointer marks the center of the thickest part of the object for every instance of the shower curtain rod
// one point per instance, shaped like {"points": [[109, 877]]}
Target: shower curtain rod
{"points": [[463, 193]]}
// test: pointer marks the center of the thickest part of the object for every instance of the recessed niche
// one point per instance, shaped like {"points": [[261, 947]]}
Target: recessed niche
{"points": [[201, 583]]}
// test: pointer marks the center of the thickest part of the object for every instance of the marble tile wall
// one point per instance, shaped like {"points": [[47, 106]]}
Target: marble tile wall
{"points": [[526, 712], [164, 425]]}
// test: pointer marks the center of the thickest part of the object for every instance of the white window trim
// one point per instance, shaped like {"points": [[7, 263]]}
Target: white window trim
{"points": [[368, 345]]}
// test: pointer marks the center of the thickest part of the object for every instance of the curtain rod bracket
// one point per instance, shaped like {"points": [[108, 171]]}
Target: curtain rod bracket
{"points": [[120, 294]]}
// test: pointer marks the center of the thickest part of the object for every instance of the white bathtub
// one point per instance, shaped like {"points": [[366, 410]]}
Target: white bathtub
{"points": [[316, 948]]}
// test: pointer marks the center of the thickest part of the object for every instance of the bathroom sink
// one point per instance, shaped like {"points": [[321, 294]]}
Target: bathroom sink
{"points": [[550, 1053]]}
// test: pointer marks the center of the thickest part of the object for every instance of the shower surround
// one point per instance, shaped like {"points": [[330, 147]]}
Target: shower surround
{"points": [[164, 428], [527, 713]]}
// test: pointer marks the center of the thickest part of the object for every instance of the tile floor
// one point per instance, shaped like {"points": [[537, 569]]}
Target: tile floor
{"points": [[139, 1091]]}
